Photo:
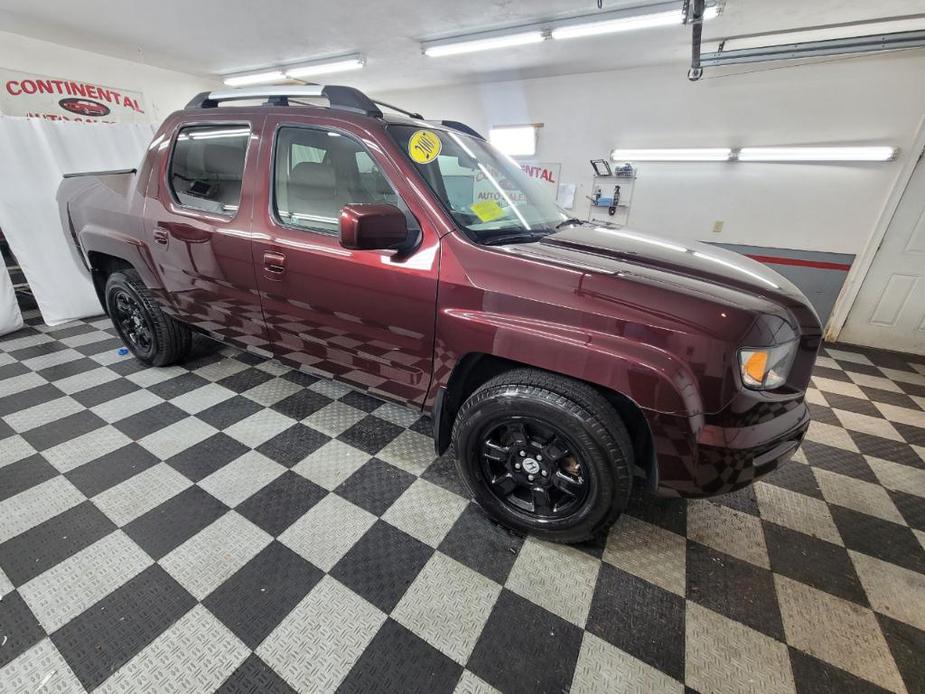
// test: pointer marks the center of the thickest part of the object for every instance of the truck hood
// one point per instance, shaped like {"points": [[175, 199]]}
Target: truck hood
{"points": [[697, 265]]}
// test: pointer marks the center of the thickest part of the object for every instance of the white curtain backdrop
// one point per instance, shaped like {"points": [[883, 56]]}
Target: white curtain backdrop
{"points": [[10, 317], [34, 154]]}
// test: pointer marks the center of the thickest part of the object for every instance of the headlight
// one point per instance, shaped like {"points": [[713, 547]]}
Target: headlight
{"points": [[766, 368]]}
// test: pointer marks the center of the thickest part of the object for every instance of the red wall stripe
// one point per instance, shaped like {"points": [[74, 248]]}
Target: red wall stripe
{"points": [[818, 264]]}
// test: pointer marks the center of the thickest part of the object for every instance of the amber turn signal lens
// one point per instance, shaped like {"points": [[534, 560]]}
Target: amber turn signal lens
{"points": [[756, 366]]}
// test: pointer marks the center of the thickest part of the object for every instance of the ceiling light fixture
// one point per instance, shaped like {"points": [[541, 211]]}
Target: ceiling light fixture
{"points": [[312, 69], [682, 154], [488, 43], [630, 20], [255, 78], [514, 140], [811, 154]]}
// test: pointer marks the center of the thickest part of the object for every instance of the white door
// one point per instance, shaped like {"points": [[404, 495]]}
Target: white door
{"points": [[889, 311]]}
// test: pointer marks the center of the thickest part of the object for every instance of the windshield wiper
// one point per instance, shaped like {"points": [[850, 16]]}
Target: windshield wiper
{"points": [[525, 237], [574, 221]]}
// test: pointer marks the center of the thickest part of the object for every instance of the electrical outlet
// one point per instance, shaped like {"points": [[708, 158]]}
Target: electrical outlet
{"points": [[718, 226]]}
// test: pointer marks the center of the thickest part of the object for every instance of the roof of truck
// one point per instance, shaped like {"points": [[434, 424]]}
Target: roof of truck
{"points": [[339, 98]]}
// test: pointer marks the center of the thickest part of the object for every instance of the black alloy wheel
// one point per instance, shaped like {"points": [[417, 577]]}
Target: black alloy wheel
{"points": [[131, 323]]}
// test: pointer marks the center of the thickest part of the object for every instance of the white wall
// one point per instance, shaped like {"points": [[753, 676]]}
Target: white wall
{"points": [[165, 91], [869, 100]]}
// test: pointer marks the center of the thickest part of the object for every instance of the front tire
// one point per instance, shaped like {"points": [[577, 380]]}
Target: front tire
{"points": [[544, 454], [150, 334]]}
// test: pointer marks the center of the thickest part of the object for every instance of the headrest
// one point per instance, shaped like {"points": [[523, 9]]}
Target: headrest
{"points": [[224, 159], [314, 179]]}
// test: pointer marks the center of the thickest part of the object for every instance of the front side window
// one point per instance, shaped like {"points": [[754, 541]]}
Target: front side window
{"points": [[317, 172], [486, 192], [207, 167]]}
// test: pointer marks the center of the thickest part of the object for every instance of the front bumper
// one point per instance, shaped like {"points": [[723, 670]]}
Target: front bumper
{"points": [[698, 456]]}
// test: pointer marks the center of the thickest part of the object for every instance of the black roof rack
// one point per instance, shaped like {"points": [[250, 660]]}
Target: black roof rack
{"points": [[346, 98]]}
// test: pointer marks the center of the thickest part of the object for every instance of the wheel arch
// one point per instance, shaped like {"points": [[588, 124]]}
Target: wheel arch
{"points": [[477, 368], [102, 265]]}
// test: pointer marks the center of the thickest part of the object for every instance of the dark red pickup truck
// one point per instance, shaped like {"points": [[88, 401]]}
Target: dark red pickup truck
{"points": [[564, 361]]}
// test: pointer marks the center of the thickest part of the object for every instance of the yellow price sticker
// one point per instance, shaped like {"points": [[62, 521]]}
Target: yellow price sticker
{"points": [[424, 146], [487, 210]]}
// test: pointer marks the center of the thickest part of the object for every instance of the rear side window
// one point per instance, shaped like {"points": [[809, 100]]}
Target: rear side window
{"points": [[317, 172], [207, 167]]}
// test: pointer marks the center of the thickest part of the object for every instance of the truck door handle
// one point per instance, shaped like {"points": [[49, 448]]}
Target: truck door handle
{"points": [[274, 262], [161, 235]]}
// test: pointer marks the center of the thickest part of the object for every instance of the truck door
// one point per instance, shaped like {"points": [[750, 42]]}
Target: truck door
{"points": [[366, 317], [198, 212]]}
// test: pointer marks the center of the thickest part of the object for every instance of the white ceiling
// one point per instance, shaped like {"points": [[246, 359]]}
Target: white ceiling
{"points": [[212, 37]]}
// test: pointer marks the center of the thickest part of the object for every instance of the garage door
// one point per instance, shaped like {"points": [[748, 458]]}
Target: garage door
{"points": [[890, 310]]}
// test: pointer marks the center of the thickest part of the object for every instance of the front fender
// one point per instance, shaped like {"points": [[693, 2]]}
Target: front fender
{"points": [[651, 377]]}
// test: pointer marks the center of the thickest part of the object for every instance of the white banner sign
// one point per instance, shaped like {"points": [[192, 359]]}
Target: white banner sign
{"points": [[547, 175], [52, 98]]}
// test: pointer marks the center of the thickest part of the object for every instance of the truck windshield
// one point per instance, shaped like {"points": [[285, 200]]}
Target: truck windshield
{"points": [[484, 190]]}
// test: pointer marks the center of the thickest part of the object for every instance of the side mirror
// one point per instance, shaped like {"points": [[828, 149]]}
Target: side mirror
{"points": [[373, 227]]}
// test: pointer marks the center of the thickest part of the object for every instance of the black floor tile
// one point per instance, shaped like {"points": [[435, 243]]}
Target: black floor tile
{"points": [[361, 401], [667, 513], [889, 397], [513, 652], [640, 618], [814, 562], [113, 344], [375, 486], [71, 331], [851, 404], [178, 385], [5, 430], [148, 421], [245, 380], [280, 503], [907, 644], [744, 500], [814, 676], [38, 350], [67, 369], [382, 564], [442, 472], [202, 459], [879, 447], [169, 525], [91, 397], [254, 676], [831, 374], [291, 446], [796, 477], [259, 595], [105, 637], [398, 661], [111, 469], [300, 405], [822, 414], [24, 474], [733, 588], [838, 460], [300, 378], [481, 544], [49, 435], [25, 399], [371, 434], [911, 434], [20, 629], [424, 426], [879, 538], [12, 370], [229, 412], [911, 507], [33, 552]]}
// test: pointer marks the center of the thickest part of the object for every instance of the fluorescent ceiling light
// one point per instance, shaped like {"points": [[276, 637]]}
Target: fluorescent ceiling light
{"points": [[816, 153], [514, 140], [844, 31], [325, 68], [484, 44], [255, 78], [685, 154], [629, 23]]}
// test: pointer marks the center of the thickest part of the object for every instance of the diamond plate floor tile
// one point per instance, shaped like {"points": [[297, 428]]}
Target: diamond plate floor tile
{"points": [[141, 493], [426, 512], [196, 654], [727, 530], [836, 631], [241, 478], [36, 505], [864, 497], [727, 657], [603, 668], [254, 676], [318, 643], [894, 591], [649, 552], [797, 512], [40, 669], [328, 531], [409, 451], [447, 606]]}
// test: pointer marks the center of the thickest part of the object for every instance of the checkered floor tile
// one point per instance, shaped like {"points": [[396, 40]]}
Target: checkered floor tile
{"points": [[232, 525]]}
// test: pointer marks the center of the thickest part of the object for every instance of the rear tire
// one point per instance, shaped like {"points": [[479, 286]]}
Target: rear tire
{"points": [[544, 454], [150, 334]]}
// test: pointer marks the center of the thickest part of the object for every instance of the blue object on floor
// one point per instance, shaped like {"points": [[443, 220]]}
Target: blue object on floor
{"points": [[122, 351]]}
